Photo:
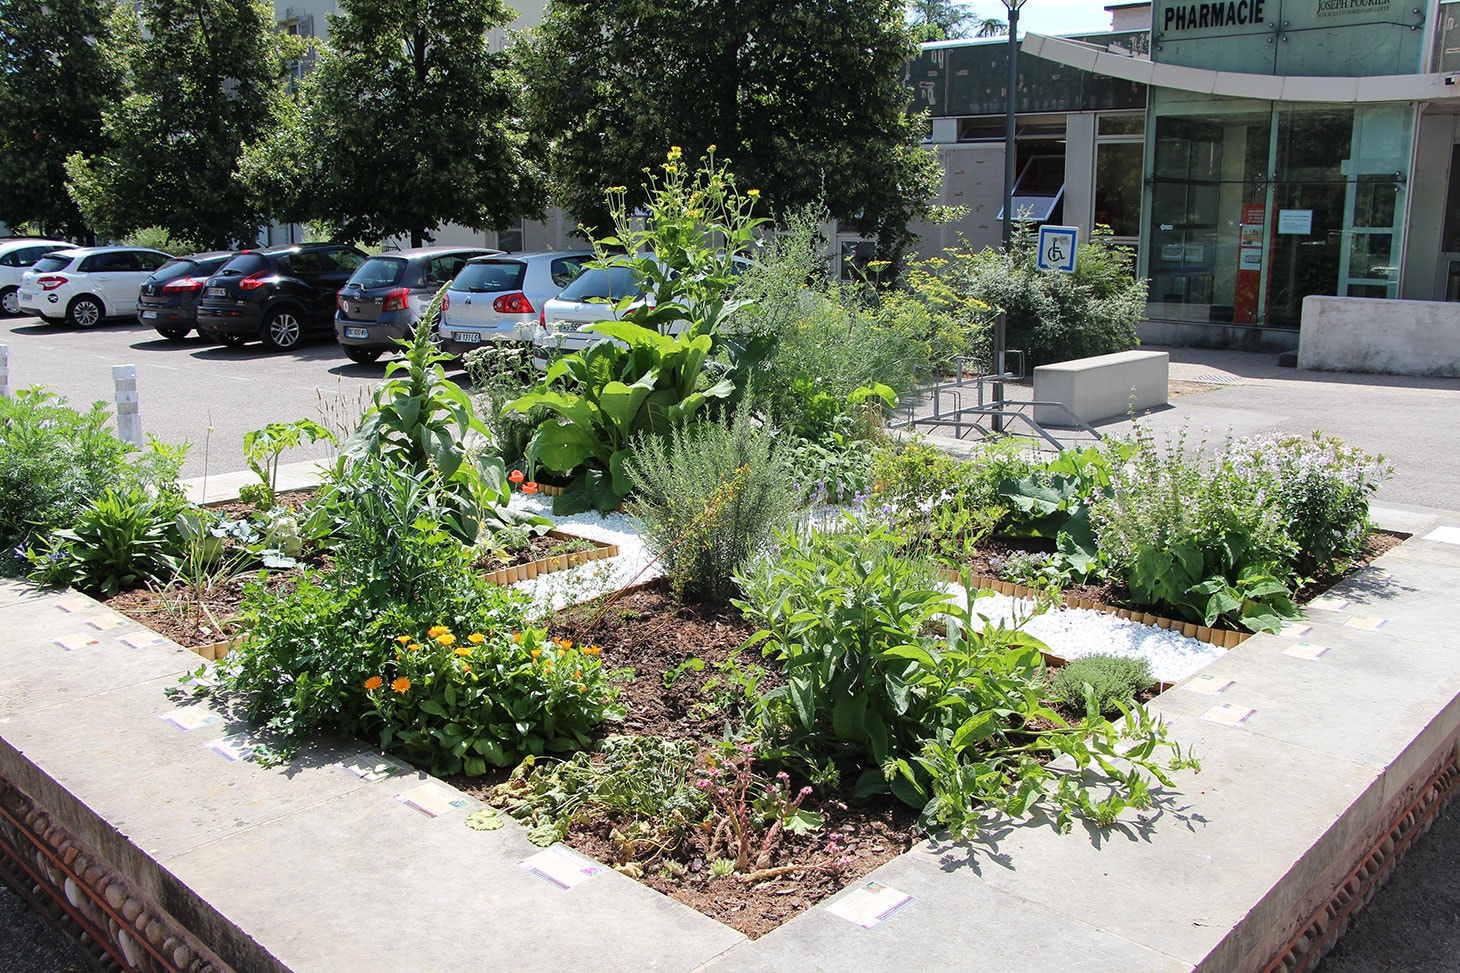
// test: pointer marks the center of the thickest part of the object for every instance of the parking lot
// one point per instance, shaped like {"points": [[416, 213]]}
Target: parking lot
{"points": [[194, 391]]}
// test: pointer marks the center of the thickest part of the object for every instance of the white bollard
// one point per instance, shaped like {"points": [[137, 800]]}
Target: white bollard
{"points": [[129, 413], [5, 371]]}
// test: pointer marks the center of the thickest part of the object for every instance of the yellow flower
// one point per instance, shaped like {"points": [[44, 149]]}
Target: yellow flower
{"points": [[374, 682], [562, 652], [675, 152], [462, 650], [592, 650], [565, 643], [414, 646], [402, 639], [447, 640], [536, 653], [753, 193], [401, 685], [517, 637], [437, 630], [582, 689], [618, 189], [549, 666], [712, 146], [476, 638]]}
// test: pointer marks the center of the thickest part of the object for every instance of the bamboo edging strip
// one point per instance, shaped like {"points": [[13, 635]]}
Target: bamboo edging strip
{"points": [[558, 562], [1220, 637]]}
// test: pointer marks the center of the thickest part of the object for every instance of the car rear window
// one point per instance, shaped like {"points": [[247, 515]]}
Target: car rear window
{"points": [[595, 282], [379, 272], [174, 269], [244, 264], [49, 265], [490, 275]]}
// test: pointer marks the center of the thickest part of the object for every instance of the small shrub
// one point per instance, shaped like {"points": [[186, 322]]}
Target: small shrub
{"points": [[54, 460], [708, 497], [499, 374], [123, 539], [1109, 679]]}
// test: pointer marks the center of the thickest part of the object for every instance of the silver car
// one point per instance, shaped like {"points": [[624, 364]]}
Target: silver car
{"points": [[500, 298]]}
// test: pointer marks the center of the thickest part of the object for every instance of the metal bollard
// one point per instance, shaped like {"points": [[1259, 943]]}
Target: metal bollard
{"points": [[129, 413], [5, 371]]}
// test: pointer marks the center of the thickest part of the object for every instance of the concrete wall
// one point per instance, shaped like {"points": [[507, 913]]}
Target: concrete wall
{"points": [[1102, 387], [1354, 334]]}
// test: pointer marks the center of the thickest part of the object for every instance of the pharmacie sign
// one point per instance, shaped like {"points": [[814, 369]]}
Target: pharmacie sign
{"points": [[1197, 16]]}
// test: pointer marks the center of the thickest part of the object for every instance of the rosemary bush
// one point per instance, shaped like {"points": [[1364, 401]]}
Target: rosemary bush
{"points": [[1107, 679], [708, 497]]}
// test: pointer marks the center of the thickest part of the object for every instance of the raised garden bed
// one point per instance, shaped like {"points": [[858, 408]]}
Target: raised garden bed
{"points": [[554, 562]]}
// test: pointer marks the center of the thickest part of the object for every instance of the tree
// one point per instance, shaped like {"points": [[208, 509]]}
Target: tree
{"points": [[61, 64], [210, 77], [410, 122], [803, 99], [943, 20]]}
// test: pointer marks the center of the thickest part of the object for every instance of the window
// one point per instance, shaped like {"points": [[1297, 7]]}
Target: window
{"points": [[379, 272], [150, 261], [1039, 188], [610, 284], [565, 269], [487, 276], [1118, 187], [110, 263], [49, 264]]}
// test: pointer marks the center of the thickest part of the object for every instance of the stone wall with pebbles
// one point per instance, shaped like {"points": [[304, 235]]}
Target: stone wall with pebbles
{"points": [[123, 925]]}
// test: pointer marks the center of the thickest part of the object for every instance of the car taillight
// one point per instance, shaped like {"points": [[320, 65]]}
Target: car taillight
{"points": [[445, 302], [253, 281], [340, 301], [184, 286], [50, 283], [396, 299], [512, 304], [542, 317]]}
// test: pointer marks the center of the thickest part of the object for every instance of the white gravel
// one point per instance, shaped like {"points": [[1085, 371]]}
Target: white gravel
{"points": [[1074, 632], [1069, 632]]}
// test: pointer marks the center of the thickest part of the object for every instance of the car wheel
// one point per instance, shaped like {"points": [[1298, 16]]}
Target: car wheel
{"points": [[84, 312], [174, 334], [10, 302], [282, 330], [363, 356]]}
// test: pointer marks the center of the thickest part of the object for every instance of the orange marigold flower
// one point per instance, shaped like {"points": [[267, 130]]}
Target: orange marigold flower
{"points": [[466, 668], [592, 650], [448, 639], [436, 630], [517, 637], [402, 639], [374, 682], [578, 674], [582, 689], [414, 646], [565, 643], [529, 487], [401, 685], [476, 638], [463, 650], [536, 653], [516, 476]]}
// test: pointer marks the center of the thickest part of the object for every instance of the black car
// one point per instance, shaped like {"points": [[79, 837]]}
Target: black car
{"points": [[168, 300], [277, 295], [389, 293]]}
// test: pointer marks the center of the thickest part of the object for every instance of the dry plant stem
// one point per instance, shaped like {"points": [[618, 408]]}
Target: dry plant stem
{"points": [[761, 874]]}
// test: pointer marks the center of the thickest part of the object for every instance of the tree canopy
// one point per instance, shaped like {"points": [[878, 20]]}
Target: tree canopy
{"points": [[61, 64], [208, 78], [943, 20], [410, 122], [803, 99]]}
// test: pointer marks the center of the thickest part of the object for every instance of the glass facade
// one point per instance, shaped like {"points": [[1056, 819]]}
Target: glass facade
{"points": [[1254, 205]]}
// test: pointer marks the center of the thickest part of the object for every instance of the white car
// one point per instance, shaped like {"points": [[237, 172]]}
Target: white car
{"points": [[16, 257], [593, 296], [500, 298], [84, 286]]}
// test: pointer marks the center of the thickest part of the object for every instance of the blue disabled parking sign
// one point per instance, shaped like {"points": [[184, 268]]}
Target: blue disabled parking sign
{"points": [[1057, 247]]}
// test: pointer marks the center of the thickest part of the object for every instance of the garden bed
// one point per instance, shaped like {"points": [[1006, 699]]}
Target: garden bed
{"points": [[549, 553]]}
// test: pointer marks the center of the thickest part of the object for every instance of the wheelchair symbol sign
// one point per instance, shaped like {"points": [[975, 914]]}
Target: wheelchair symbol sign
{"points": [[1057, 247]]}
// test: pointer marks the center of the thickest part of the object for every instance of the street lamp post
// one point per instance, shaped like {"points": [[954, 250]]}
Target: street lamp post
{"points": [[1009, 158]]}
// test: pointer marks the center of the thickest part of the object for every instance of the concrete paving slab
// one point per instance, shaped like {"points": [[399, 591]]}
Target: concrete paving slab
{"points": [[374, 885], [1402, 518], [104, 744], [955, 922]]}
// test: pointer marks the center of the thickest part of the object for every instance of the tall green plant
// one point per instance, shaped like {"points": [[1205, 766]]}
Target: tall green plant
{"points": [[610, 394]]}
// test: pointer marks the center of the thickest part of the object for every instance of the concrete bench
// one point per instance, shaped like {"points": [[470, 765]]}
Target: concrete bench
{"points": [[1102, 387], [1357, 334]]}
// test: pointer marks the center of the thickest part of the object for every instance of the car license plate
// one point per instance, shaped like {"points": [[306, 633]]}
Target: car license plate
{"points": [[217, 292], [26, 297], [148, 315], [357, 332], [468, 337]]}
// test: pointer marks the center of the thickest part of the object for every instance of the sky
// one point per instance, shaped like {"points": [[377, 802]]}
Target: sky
{"points": [[1052, 16]]}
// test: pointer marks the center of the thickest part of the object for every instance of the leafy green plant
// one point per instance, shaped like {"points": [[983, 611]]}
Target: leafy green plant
{"points": [[262, 449], [459, 704], [499, 374], [644, 782], [609, 396], [419, 423], [707, 497], [1100, 681], [1200, 538], [54, 460], [120, 541], [888, 673], [748, 813], [1055, 500]]}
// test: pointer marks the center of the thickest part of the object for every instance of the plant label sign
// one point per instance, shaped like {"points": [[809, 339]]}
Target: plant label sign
{"points": [[191, 718], [561, 867], [1057, 248], [434, 799], [869, 905]]}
